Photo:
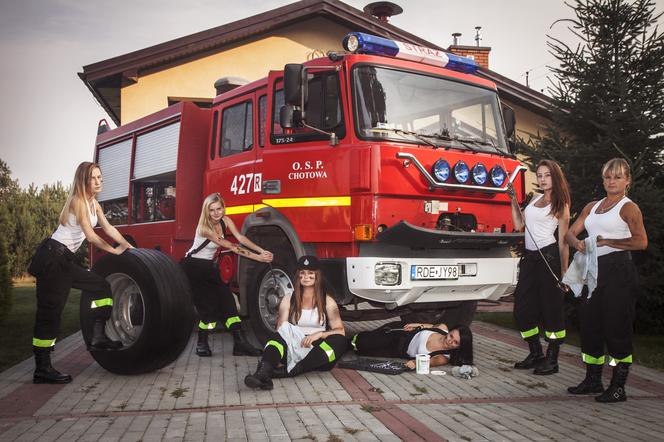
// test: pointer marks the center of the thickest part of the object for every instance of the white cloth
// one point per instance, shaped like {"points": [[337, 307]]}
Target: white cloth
{"points": [[608, 225], [207, 252], [293, 335], [583, 269], [418, 344], [541, 225], [71, 234]]}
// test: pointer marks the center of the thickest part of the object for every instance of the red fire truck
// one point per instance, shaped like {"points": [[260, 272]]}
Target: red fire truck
{"points": [[390, 162]]}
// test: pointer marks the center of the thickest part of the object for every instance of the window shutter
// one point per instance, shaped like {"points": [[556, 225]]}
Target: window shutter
{"points": [[114, 162], [157, 151]]}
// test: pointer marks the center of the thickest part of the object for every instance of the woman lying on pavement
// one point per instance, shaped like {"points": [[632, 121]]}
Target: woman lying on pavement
{"points": [[445, 346], [311, 333]]}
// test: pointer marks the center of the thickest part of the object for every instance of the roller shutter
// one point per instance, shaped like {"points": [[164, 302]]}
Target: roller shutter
{"points": [[157, 151], [114, 162]]}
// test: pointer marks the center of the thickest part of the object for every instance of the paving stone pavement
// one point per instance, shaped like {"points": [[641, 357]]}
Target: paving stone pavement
{"points": [[197, 399]]}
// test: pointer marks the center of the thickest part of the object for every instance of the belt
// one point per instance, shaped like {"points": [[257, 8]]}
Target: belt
{"points": [[623, 255], [58, 248]]}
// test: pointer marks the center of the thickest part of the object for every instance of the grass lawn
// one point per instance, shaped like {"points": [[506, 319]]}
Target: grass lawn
{"points": [[16, 329], [648, 349]]}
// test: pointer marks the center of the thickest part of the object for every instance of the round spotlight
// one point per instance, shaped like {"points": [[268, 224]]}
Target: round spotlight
{"points": [[479, 174], [351, 43], [441, 170], [461, 171], [498, 176]]}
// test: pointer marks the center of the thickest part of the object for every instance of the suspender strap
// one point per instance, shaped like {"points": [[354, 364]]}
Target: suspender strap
{"points": [[198, 249]]}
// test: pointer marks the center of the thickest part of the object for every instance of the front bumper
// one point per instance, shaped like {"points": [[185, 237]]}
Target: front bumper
{"points": [[487, 278]]}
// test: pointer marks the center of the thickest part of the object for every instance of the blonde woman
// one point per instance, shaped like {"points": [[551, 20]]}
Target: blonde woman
{"points": [[212, 297], [606, 320], [57, 272]]}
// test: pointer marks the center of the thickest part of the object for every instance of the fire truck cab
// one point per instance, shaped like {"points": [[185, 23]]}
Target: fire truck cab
{"points": [[390, 162]]}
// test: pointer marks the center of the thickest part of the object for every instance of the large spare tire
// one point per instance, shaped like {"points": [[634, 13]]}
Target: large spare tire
{"points": [[152, 311]]}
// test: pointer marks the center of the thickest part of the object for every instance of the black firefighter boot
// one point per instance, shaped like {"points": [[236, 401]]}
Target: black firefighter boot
{"points": [[282, 371], [241, 346], [534, 357], [99, 340], [592, 383], [202, 346], [44, 371], [616, 390], [262, 378], [549, 364]]}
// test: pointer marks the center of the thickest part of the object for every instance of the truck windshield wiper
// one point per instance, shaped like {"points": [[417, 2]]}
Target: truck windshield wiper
{"points": [[405, 133], [482, 143]]}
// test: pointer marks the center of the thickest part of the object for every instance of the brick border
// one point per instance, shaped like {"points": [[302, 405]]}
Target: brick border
{"points": [[28, 398]]}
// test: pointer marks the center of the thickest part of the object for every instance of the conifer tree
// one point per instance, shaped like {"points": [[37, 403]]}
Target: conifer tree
{"points": [[608, 93]]}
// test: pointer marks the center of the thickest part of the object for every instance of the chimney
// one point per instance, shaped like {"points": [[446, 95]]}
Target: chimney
{"points": [[477, 52], [382, 10]]}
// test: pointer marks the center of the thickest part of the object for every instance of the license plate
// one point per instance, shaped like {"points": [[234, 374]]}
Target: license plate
{"points": [[434, 272]]}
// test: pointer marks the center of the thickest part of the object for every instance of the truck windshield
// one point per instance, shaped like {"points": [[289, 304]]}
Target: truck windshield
{"points": [[417, 108]]}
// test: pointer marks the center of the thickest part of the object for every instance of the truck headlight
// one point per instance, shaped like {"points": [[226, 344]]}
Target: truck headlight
{"points": [[387, 273]]}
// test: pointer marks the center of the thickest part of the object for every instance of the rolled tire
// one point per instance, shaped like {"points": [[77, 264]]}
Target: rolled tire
{"points": [[152, 311], [265, 294]]}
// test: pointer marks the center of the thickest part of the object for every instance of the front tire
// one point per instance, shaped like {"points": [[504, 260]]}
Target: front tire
{"points": [[265, 295], [152, 311]]}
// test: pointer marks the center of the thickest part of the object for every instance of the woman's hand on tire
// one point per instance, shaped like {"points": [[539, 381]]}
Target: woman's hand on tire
{"points": [[411, 364]]}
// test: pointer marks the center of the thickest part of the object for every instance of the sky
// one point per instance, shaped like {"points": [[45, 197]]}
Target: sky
{"points": [[48, 118]]}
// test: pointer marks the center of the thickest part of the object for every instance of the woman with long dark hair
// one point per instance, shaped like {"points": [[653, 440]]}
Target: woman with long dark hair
{"points": [[615, 224], [445, 345], [538, 301], [212, 297], [311, 333], [55, 267]]}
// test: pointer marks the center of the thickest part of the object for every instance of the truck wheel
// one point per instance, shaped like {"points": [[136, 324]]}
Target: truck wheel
{"points": [[265, 294], [152, 311]]}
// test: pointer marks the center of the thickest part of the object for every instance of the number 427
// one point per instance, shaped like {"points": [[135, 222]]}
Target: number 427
{"points": [[243, 183]]}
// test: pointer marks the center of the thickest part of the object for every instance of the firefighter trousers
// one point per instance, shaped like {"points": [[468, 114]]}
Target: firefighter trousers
{"points": [[383, 342], [323, 356], [607, 318], [212, 297], [537, 299], [57, 272]]}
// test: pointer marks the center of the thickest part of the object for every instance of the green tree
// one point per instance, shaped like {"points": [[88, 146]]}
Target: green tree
{"points": [[608, 94], [5, 281]]}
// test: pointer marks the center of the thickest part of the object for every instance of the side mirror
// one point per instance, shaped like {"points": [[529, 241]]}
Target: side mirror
{"points": [[290, 117], [510, 120], [293, 84]]}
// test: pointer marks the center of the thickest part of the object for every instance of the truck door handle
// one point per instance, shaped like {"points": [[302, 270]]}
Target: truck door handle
{"points": [[271, 187]]}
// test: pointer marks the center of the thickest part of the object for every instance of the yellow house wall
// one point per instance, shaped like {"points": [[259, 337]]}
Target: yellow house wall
{"points": [[251, 60]]}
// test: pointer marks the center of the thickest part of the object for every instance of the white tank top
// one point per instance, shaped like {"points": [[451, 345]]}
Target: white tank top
{"points": [[71, 234], [608, 225], [310, 321], [207, 252], [418, 345], [541, 225]]}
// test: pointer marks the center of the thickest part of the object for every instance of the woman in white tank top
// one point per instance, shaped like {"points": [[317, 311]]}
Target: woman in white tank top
{"points": [[57, 271], [212, 297], [310, 313], [537, 299], [606, 320]]}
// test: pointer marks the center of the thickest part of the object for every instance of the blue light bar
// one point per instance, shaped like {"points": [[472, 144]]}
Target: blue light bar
{"points": [[362, 43]]}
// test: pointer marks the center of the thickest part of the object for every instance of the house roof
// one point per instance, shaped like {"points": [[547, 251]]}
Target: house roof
{"points": [[105, 78]]}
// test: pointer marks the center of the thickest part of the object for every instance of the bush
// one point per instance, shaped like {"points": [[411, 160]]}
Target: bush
{"points": [[5, 281]]}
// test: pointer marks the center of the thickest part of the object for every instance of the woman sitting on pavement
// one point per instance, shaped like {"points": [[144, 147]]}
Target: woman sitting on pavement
{"points": [[311, 333], [445, 345]]}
